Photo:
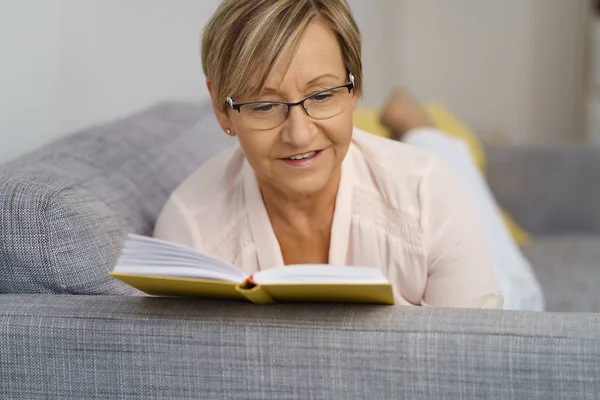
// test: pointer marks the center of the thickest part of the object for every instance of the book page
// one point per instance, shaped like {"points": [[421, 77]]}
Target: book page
{"points": [[177, 271], [316, 273], [150, 256]]}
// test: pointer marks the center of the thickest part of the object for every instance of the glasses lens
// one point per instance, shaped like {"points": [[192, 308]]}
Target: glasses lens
{"points": [[327, 104], [263, 115]]}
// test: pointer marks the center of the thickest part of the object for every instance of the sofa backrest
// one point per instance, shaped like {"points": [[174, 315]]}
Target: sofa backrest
{"points": [[115, 347], [65, 209], [549, 189]]}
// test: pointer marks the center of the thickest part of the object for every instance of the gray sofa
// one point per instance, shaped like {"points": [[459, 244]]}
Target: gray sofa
{"points": [[68, 330]]}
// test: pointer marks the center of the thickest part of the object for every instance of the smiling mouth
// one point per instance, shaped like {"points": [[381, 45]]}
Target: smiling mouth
{"points": [[303, 156]]}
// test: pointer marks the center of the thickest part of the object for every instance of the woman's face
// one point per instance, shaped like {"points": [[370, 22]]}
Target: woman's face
{"points": [[316, 65]]}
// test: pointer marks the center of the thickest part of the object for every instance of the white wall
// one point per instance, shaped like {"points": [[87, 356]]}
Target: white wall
{"points": [[377, 20], [509, 68], [67, 64], [512, 69]]}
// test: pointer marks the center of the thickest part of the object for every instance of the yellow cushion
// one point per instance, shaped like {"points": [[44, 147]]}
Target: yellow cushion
{"points": [[367, 119], [519, 235]]}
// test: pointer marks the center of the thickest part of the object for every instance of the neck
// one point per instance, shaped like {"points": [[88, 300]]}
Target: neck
{"points": [[296, 208]]}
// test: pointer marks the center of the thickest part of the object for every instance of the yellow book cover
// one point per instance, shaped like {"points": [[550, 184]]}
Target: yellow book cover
{"points": [[161, 268]]}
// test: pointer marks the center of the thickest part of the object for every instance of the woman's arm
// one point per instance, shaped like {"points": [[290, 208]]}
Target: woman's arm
{"points": [[175, 224], [517, 280], [460, 270]]}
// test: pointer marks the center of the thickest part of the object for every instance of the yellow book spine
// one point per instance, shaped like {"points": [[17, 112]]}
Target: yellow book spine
{"points": [[256, 294], [376, 293], [380, 293]]}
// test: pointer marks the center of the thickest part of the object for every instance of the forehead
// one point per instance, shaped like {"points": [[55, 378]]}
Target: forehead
{"points": [[318, 53]]}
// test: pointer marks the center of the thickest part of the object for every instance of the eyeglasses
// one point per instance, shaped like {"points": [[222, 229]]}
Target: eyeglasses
{"points": [[269, 114]]}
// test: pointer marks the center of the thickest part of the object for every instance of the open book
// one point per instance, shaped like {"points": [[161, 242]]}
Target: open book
{"points": [[162, 268]]}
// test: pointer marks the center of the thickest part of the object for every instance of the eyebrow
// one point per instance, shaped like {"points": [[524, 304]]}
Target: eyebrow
{"points": [[269, 91]]}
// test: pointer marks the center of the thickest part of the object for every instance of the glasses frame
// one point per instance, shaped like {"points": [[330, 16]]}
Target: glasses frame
{"points": [[238, 106]]}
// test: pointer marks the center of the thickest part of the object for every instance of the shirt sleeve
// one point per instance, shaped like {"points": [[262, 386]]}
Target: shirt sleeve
{"points": [[460, 272], [514, 273], [175, 224]]}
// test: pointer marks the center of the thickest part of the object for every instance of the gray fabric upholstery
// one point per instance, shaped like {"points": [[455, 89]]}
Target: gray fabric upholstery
{"points": [[548, 190], [568, 269], [65, 209], [159, 348]]}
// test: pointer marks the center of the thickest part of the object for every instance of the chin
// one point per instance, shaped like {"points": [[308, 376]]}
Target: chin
{"points": [[306, 185]]}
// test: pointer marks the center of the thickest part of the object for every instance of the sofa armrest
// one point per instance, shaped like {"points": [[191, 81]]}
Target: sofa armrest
{"points": [[148, 347], [551, 189], [66, 208]]}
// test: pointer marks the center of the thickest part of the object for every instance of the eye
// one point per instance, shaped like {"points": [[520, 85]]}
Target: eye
{"points": [[323, 96], [263, 108]]}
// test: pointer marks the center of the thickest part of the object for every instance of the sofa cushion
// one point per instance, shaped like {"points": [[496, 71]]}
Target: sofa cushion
{"points": [[65, 209], [568, 268]]}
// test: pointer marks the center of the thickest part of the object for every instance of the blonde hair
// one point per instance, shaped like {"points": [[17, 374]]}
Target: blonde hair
{"points": [[245, 39]]}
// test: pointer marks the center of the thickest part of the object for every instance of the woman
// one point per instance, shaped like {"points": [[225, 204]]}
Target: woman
{"points": [[304, 186]]}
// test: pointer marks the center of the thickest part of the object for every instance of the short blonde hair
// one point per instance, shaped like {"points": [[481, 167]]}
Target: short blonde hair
{"points": [[245, 39]]}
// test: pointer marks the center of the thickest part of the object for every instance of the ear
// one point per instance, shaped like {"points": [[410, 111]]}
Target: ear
{"points": [[222, 116]]}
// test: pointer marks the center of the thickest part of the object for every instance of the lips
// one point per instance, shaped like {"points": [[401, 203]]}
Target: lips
{"points": [[302, 156], [303, 159]]}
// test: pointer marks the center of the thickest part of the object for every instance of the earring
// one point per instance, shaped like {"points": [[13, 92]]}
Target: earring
{"points": [[228, 132]]}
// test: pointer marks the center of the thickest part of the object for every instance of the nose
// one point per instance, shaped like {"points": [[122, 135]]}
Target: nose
{"points": [[298, 129]]}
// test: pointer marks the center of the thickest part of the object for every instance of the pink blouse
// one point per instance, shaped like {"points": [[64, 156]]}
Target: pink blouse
{"points": [[398, 208]]}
